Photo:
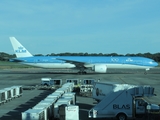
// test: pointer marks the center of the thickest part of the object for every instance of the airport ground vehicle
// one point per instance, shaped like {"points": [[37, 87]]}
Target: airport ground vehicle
{"points": [[122, 101], [51, 82], [86, 87]]}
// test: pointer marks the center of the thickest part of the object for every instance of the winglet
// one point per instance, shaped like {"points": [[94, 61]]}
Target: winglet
{"points": [[19, 49]]}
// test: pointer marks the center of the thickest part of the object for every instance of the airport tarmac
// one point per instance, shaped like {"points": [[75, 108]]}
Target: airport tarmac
{"points": [[32, 77]]}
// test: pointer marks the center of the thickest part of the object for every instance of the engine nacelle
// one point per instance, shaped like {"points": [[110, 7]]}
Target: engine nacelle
{"points": [[100, 68]]}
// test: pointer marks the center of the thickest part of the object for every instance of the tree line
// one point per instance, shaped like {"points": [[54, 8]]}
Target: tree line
{"points": [[155, 56]]}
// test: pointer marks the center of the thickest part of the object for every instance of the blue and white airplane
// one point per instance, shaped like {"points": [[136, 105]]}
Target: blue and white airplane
{"points": [[99, 64]]}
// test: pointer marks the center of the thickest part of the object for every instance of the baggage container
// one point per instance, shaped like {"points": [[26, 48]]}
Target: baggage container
{"points": [[56, 107], [13, 91], [33, 114], [59, 94], [52, 104], [65, 99], [69, 112], [8, 93], [70, 85], [45, 108], [61, 91], [18, 91], [3, 96], [50, 107], [72, 95]]}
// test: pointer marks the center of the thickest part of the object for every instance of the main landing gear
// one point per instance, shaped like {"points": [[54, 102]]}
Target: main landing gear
{"points": [[82, 71], [145, 72]]}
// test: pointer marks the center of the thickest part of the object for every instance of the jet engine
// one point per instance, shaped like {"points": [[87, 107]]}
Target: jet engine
{"points": [[100, 68]]}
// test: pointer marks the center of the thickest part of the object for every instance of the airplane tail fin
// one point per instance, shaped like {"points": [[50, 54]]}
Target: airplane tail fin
{"points": [[19, 49]]}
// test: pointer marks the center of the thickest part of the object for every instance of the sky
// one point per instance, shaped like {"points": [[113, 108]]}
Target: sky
{"points": [[75, 26]]}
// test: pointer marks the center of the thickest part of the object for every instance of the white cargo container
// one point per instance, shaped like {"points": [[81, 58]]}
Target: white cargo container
{"points": [[59, 94], [50, 105], [18, 90], [60, 90], [33, 114], [3, 96], [67, 99], [66, 88], [52, 102], [69, 112], [70, 85], [72, 95], [45, 108], [13, 92], [8, 93], [56, 107], [53, 96]]}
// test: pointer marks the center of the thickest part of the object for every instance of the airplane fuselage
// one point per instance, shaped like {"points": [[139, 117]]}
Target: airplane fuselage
{"points": [[88, 61]]}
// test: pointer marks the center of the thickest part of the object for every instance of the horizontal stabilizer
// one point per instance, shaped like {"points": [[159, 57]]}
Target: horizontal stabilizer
{"points": [[16, 60]]}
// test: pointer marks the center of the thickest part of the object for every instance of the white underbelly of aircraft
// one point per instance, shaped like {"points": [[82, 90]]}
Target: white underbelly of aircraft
{"points": [[120, 66], [68, 65], [52, 65], [126, 66]]}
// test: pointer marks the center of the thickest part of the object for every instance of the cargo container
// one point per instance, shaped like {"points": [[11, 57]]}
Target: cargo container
{"points": [[72, 95], [33, 114], [66, 99], [8, 93], [68, 112], [3, 96], [70, 86], [61, 91], [50, 106], [56, 107], [18, 90], [58, 94], [45, 108]]}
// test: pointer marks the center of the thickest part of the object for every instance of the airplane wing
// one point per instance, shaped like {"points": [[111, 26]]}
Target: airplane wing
{"points": [[78, 64]]}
